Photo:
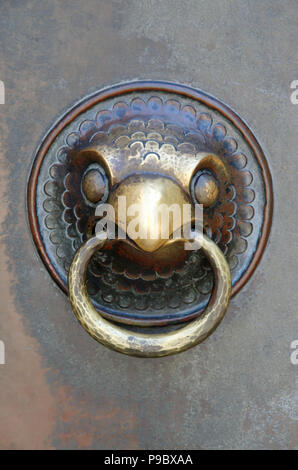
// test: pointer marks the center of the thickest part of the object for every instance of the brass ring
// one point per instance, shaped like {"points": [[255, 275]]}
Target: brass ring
{"points": [[140, 344]]}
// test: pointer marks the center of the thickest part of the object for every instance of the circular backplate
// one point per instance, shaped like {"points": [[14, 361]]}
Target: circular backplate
{"points": [[129, 121]]}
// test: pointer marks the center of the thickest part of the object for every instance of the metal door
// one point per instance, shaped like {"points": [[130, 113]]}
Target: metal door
{"points": [[60, 389]]}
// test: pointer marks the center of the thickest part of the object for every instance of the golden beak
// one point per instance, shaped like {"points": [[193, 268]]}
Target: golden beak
{"points": [[150, 208]]}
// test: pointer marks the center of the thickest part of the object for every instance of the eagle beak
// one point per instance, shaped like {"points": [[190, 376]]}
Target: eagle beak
{"points": [[150, 209]]}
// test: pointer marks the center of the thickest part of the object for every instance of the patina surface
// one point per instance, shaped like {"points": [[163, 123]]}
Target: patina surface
{"points": [[238, 389]]}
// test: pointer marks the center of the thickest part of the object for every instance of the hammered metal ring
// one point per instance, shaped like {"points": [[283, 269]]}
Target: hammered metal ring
{"points": [[140, 344]]}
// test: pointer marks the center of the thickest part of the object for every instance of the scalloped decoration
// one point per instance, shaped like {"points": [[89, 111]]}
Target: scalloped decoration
{"points": [[113, 281]]}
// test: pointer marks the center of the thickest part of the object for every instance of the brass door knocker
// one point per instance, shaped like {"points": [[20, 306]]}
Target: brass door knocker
{"points": [[153, 144]]}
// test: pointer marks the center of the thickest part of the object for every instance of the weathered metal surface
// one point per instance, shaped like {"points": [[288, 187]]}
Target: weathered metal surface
{"points": [[140, 128], [238, 389]]}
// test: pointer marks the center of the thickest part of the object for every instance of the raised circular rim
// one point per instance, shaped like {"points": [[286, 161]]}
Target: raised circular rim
{"points": [[148, 85]]}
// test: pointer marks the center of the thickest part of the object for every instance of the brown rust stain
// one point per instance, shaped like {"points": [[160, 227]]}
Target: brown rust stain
{"points": [[27, 407], [110, 425]]}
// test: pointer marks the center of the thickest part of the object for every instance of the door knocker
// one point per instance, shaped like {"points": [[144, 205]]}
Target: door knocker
{"points": [[150, 143]]}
